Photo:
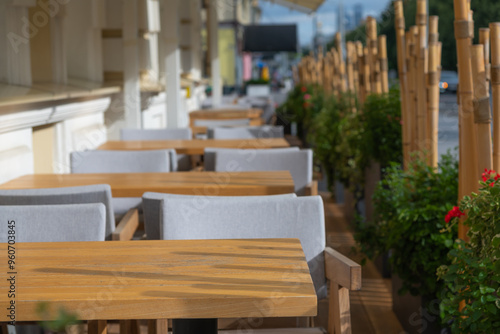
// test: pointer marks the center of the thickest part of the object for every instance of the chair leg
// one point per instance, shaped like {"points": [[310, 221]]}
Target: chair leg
{"points": [[97, 327], [339, 317], [158, 326]]}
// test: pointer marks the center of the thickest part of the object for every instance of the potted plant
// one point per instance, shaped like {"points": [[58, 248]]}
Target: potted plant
{"points": [[471, 302], [409, 206]]}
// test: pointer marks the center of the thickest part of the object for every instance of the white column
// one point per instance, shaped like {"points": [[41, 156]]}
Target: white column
{"points": [[131, 88], [196, 40], [153, 17], [213, 37], [19, 31], [170, 29]]}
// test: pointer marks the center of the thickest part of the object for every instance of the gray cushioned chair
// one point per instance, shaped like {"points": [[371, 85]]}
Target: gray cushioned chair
{"points": [[180, 162], [152, 201], [99, 193], [251, 132], [236, 217], [101, 161], [55, 223], [299, 163], [209, 154]]}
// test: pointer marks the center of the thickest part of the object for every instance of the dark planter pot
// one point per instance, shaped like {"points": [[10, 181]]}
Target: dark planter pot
{"points": [[372, 178], [416, 314]]}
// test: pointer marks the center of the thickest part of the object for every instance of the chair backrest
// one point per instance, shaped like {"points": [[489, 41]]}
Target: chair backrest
{"points": [[155, 134], [210, 152], [222, 122], [265, 131], [54, 223], [247, 218], [299, 163], [177, 162], [152, 204], [99, 193], [154, 161]]}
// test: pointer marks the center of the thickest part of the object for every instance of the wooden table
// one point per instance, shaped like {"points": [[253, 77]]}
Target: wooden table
{"points": [[187, 183], [194, 146], [253, 114], [191, 279]]}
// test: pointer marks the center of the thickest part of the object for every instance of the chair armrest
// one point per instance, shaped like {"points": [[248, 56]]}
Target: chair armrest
{"points": [[127, 226], [342, 270], [312, 189]]}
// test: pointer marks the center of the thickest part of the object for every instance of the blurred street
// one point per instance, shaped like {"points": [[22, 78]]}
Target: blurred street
{"points": [[448, 123]]}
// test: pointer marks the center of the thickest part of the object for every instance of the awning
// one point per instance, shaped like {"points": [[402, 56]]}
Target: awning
{"points": [[305, 6]]}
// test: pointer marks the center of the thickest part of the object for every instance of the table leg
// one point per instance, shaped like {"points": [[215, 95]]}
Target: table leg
{"points": [[194, 326]]}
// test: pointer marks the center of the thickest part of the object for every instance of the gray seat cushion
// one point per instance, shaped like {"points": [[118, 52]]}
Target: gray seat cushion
{"points": [[54, 223], [209, 154], [250, 217], [251, 132], [299, 163], [99, 193]]}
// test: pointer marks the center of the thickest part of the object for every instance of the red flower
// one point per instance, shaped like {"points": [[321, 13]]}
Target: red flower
{"points": [[453, 213], [306, 105], [307, 97], [303, 89], [489, 175]]}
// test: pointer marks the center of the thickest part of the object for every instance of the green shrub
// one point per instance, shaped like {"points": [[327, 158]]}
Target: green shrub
{"points": [[381, 123], [301, 106], [325, 135], [409, 210], [474, 273]]}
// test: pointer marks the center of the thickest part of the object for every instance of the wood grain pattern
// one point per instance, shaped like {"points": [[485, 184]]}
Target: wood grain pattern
{"points": [[164, 279], [184, 183], [194, 146]]}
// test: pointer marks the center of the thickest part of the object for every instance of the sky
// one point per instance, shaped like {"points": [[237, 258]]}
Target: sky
{"points": [[326, 14]]}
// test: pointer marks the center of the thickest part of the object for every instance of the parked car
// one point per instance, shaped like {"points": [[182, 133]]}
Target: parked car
{"points": [[449, 81]]}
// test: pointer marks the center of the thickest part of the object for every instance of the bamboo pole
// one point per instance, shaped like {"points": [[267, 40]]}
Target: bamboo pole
{"points": [[421, 78], [484, 39], [495, 89], [384, 65], [355, 66], [433, 29], [372, 44], [366, 72], [361, 71], [350, 67], [402, 74], [482, 110], [414, 64], [433, 93], [468, 173], [342, 69]]}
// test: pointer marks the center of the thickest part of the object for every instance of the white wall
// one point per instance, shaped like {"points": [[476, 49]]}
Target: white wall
{"points": [[16, 154]]}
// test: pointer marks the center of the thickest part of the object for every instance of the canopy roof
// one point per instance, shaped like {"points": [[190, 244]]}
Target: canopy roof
{"points": [[305, 6]]}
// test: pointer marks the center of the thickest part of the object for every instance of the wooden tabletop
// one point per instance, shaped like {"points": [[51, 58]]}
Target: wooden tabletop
{"points": [[194, 146], [163, 279], [187, 183]]}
